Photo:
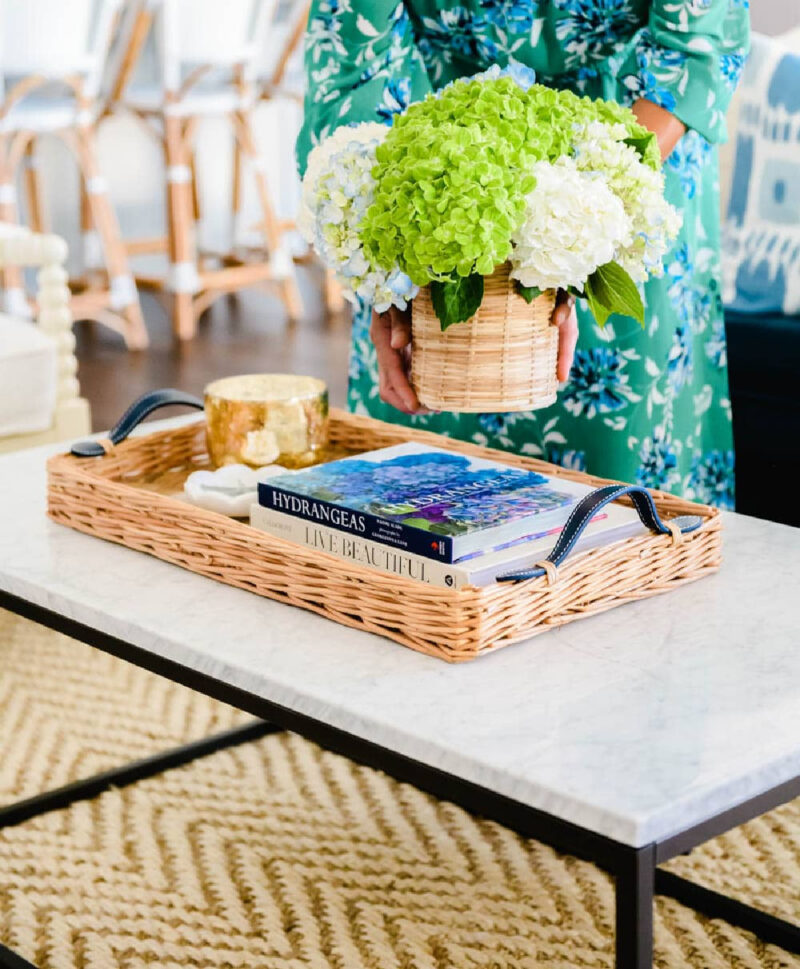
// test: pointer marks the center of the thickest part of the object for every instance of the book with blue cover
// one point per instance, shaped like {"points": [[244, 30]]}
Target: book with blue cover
{"points": [[425, 500]]}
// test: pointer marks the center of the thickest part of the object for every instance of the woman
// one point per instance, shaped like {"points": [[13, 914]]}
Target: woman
{"points": [[649, 406]]}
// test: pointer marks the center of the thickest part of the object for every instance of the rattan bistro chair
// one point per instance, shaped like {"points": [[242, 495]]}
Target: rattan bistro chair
{"points": [[205, 56], [52, 54], [281, 82]]}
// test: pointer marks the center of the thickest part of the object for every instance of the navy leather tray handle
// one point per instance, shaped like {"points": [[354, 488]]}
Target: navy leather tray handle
{"points": [[583, 513], [133, 416]]}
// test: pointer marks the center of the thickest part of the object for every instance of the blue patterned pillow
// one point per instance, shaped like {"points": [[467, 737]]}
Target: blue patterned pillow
{"points": [[761, 240]]}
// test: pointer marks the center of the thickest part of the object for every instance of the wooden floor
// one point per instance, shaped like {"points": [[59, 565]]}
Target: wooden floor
{"points": [[247, 333]]}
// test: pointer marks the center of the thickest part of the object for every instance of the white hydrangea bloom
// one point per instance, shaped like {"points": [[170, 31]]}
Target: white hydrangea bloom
{"points": [[655, 223], [573, 224], [338, 188]]}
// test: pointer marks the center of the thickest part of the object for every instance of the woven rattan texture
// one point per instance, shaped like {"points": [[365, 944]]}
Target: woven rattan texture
{"points": [[275, 855], [502, 359], [96, 496]]}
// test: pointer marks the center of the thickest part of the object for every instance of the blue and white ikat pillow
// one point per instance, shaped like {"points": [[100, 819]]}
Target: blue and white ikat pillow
{"points": [[762, 231]]}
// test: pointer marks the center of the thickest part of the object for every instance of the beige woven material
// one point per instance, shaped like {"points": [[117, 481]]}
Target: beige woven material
{"points": [[275, 855], [502, 359], [121, 497]]}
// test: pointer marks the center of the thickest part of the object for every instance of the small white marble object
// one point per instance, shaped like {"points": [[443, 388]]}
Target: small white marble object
{"points": [[229, 490]]}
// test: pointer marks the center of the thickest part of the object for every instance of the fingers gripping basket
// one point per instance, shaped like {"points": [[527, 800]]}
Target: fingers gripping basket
{"points": [[502, 359], [128, 496]]}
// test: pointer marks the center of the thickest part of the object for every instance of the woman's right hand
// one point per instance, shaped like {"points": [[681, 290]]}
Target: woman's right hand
{"points": [[391, 334]]}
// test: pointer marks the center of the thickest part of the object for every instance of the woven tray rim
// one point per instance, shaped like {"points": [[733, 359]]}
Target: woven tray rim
{"points": [[477, 604]]}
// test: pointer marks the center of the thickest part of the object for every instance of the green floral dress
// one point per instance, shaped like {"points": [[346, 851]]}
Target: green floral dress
{"points": [[649, 406]]}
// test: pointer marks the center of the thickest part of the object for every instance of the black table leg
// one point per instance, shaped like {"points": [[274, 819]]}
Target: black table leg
{"points": [[10, 960], [715, 905], [635, 887], [138, 770]]}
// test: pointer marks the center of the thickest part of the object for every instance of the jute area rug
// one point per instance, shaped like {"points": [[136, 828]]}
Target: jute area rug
{"points": [[277, 855]]}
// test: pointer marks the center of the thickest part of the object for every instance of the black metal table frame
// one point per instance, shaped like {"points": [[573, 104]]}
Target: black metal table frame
{"points": [[635, 870]]}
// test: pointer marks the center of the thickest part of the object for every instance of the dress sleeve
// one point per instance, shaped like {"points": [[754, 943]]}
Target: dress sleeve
{"points": [[361, 64], [689, 57]]}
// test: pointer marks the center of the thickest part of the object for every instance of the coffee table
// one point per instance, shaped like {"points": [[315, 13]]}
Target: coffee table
{"points": [[626, 739]]}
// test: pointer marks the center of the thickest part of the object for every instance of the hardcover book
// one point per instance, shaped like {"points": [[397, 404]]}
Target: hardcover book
{"points": [[614, 524], [427, 501]]}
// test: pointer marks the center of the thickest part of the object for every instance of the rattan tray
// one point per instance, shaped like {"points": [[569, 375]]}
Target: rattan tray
{"points": [[128, 496]]}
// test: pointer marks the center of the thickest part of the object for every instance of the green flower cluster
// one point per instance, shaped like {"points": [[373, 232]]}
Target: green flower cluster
{"points": [[453, 172]]}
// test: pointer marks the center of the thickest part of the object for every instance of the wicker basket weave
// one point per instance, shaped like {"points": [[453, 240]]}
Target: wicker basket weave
{"points": [[502, 359], [128, 497]]}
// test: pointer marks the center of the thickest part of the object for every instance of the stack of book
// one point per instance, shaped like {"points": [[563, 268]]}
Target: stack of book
{"points": [[429, 514]]}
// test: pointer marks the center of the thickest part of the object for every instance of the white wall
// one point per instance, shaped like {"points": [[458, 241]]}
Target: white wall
{"points": [[774, 16]]}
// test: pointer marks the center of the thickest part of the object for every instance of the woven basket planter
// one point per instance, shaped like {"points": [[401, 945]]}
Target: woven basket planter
{"points": [[502, 359]]}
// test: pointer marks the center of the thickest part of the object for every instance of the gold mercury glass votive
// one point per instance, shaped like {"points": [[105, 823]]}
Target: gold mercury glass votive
{"points": [[270, 418]]}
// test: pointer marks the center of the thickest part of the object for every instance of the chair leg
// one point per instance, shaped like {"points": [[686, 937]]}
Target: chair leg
{"points": [[14, 300], [236, 193], [183, 275], [335, 302], [124, 297], [33, 191], [197, 210], [284, 267], [93, 257]]}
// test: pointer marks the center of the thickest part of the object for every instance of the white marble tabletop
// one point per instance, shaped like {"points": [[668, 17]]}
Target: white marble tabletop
{"points": [[635, 724]]}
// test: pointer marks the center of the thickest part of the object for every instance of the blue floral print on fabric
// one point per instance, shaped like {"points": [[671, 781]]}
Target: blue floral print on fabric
{"points": [[658, 467], [591, 28], [598, 383], [712, 478], [689, 158]]}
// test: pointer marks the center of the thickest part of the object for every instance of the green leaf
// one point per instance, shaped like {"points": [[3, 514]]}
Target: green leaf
{"points": [[647, 147], [611, 290], [640, 142], [528, 293], [456, 300]]}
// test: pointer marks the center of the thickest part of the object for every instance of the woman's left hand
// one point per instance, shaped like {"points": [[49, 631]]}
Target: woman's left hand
{"points": [[391, 334], [566, 319]]}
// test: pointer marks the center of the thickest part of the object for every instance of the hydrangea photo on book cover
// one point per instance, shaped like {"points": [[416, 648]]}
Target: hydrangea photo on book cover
{"points": [[426, 500]]}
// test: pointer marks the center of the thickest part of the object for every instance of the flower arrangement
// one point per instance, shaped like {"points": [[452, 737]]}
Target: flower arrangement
{"points": [[492, 169]]}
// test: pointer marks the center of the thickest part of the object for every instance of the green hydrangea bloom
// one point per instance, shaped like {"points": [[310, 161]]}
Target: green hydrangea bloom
{"points": [[453, 172]]}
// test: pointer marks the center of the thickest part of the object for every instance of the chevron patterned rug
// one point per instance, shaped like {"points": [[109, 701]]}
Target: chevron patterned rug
{"points": [[277, 855]]}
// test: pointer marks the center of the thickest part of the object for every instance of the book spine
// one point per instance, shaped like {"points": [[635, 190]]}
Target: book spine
{"points": [[361, 551], [361, 524]]}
